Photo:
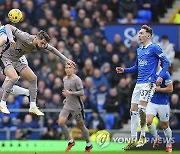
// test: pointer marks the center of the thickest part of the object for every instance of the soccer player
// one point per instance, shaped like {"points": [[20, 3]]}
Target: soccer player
{"points": [[16, 90], [73, 106], [159, 104], [146, 64], [12, 67]]}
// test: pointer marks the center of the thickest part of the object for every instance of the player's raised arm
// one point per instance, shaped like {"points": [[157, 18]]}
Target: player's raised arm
{"points": [[58, 53], [10, 30], [13, 31]]}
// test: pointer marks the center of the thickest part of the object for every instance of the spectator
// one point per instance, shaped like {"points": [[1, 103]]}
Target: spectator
{"points": [[124, 93], [90, 90], [117, 42], [87, 28], [168, 48], [95, 121], [128, 19], [108, 53], [112, 105], [99, 79], [49, 134], [77, 55], [174, 102], [153, 6], [28, 122], [92, 54], [128, 6]]}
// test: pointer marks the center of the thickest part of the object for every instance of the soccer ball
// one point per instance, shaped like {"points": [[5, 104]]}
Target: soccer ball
{"points": [[15, 15]]}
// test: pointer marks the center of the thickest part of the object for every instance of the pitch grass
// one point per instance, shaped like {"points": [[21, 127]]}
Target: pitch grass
{"points": [[109, 152]]}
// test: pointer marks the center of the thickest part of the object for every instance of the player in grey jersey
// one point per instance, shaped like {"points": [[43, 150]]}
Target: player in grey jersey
{"points": [[73, 106], [12, 67]]}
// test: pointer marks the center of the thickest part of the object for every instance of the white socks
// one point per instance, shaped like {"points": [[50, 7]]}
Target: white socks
{"points": [[152, 130], [3, 103], [143, 131], [71, 141], [134, 124], [16, 90], [32, 104], [168, 134], [88, 144]]}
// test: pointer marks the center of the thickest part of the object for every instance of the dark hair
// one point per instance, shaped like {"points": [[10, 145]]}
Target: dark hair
{"points": [[147, 28], [43, 35], [165, 37]]}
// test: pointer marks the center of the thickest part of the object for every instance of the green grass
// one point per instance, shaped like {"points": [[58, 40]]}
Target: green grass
{"points": [[110, 152], [58, 147]]}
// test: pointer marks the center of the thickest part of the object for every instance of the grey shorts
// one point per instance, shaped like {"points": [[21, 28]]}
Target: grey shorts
{"points": [[5, 64], [77, 115]]}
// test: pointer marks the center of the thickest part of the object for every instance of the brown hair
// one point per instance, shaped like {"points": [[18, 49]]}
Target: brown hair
{"points": [[43, 35], [148, 29]]}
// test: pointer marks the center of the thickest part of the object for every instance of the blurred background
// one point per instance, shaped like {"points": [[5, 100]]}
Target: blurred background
{"points": [[98, 35]]}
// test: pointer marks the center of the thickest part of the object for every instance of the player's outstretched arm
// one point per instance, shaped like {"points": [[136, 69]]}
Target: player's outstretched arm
{"points": [[132, 69], [57, 53]]}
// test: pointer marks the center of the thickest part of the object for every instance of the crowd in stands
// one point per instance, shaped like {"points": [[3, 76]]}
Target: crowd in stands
{"points": [[76, 29]]}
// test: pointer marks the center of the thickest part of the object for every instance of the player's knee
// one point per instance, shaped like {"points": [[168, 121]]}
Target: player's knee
{"points": [[149, 122], [15, 78], [164, 125], [80, 125], [34, 77], [61, 122]]}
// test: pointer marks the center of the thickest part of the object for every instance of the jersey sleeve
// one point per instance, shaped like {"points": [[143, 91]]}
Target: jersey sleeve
{"points": [[79, 84], [168, 79], [55, 51], [165, 62], [132, 69], [11, 30]]}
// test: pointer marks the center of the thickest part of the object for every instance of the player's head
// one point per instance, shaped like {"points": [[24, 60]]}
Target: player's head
{"points": [[145, 34], [42, 39], [69, 69]]}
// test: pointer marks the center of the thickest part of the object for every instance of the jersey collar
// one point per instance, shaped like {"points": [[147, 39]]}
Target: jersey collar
{"points": [[147, 45]]}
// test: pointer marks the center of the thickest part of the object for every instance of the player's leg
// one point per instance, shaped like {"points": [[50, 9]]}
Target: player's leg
{"points": [[16, 90], [151, 113], [134, 119], [79, 117], [13, 77], [28, 74], [146, 93], [63, 117], [164, 112], [3, 39]]}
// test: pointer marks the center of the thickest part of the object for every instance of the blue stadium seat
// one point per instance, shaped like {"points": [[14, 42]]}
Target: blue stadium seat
{"points": [[2, 135], [109, 121], [139, 20], [34, 136], [144, 14], [100, 107]]}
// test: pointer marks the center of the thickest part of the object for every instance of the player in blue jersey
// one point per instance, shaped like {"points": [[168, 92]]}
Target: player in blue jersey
{"points": [[159, 104], [146, 64]]}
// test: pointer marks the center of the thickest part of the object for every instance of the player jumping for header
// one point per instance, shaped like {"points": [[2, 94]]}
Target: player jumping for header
{"points": [[10, 63]]}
